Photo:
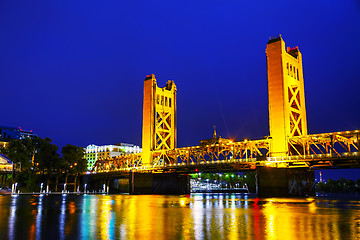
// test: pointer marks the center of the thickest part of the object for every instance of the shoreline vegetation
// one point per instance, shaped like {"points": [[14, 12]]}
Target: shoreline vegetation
{"points": [[38, 167], [338, 186]]}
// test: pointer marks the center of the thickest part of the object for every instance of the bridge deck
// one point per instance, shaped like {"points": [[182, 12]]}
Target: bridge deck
{"points": [[317, 151]]}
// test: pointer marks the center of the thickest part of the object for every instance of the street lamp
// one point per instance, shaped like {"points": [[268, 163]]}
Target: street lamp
{"points": [[85, 187], [41, 187]]}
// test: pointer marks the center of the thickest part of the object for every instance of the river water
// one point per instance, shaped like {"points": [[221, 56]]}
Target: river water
{"points": [[195, 216]]}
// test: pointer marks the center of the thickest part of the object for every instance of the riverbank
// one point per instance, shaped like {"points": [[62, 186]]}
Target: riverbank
{"points": [[50, 193]]}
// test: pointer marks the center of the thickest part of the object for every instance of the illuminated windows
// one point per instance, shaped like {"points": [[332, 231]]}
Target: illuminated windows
{"points": [[94, 152]]}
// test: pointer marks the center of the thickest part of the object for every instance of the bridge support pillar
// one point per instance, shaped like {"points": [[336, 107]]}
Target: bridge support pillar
{"points": [[284, 182], [158, 183]]}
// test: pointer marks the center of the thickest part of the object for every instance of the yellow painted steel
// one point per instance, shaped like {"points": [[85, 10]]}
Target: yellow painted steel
{"points": [[159, 118], [287, 114], [337, 149], [289, 145]]}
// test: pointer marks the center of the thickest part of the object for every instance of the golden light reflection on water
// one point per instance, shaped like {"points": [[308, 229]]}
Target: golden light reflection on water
{"points": [[105, 216], [207, 216]]}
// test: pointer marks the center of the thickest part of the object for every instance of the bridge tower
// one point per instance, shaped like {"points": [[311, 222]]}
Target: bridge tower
{"points": [[287, 114], [159, 118]]}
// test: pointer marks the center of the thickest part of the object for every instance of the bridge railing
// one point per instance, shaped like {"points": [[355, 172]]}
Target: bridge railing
{"points": [[222, 151], [302, 150], [325, 144]]}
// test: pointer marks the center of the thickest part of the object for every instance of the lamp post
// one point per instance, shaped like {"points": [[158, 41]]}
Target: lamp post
{"points": [[85, 187], [41, 187]]}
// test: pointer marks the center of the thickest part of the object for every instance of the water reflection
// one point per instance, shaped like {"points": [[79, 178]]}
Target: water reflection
{"points": [[39, 216], [62, 217], [12, 217], [198, 216]]}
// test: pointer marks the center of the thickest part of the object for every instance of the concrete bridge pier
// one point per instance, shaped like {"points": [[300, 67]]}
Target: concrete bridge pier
{"points": [[159, 183], [285, 182]]}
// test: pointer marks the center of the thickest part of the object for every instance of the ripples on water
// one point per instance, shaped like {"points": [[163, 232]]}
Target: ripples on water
{"points": [[196, 216]]}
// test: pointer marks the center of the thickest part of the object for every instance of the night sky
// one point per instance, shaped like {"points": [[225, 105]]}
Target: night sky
{"points": [[73, 71]]}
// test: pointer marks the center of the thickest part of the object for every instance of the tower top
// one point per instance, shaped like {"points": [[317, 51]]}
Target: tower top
{"points": [[151, 76], [274, 39]]}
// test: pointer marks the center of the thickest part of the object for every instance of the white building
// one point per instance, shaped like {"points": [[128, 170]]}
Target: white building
{"points": [[94, 152]]}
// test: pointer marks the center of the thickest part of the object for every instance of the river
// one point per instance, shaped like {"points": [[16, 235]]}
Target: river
{"points": [[195, 216]]}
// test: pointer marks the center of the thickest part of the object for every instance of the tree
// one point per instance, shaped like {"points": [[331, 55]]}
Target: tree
{"points": [[20, 153], [47, 159], [74, 158]]}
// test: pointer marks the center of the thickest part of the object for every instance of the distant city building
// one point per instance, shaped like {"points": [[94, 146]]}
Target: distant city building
{"points": [[94, 152], [9, 133]]}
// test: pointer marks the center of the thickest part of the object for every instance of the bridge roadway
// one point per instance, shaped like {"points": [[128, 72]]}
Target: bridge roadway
{"points": [[316, 151]]}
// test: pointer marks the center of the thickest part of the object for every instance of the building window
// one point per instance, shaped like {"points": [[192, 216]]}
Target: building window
{"points": [[287, 67], [297, 73]]}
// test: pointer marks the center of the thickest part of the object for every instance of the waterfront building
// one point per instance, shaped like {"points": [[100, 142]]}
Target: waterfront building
{"points": [[6, 164], [94, 152]]}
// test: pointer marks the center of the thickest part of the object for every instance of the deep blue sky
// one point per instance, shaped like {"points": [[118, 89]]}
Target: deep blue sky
{"points": [[73, 70]]}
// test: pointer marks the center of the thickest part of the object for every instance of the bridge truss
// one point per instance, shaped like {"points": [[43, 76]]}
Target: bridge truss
{"points": [[327, 150]]}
